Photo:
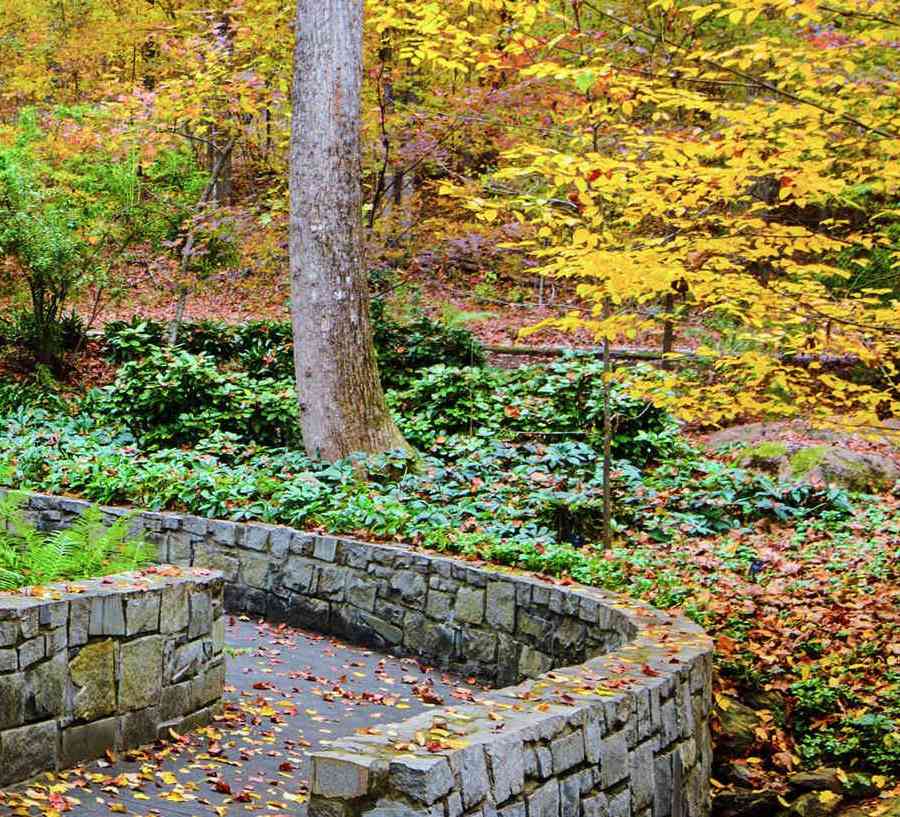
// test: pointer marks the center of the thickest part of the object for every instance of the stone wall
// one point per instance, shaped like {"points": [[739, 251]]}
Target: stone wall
{"points": [[106, 664], [610, 717]]}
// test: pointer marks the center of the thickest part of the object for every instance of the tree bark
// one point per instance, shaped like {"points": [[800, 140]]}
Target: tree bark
{"points": [[342, 406]]}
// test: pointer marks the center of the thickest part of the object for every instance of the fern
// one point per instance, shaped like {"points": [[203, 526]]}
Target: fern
{"points": [[85, 549]]}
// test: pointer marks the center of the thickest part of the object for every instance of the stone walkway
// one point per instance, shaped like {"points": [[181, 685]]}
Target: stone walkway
{"points": [[289, 692]]}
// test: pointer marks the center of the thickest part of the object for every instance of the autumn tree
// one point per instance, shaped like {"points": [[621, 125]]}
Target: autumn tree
{"points": [[342, 405]]}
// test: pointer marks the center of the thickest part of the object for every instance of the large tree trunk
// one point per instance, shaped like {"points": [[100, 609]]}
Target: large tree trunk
{"points": [[342, 405]]}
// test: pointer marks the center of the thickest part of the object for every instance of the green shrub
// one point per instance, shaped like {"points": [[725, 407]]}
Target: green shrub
{"points": [[264, 348], [564, 399], [172, 397], [85, 549]]}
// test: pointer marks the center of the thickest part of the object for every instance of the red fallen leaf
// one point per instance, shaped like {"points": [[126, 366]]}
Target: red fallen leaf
{"points": [[243, 796], [435, 746], [58, 802], [264, 685], [221, 786], [286, 767], [648, 670]]}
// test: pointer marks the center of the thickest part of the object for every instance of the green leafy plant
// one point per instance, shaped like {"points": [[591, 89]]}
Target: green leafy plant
{"points": [[172, 397]]}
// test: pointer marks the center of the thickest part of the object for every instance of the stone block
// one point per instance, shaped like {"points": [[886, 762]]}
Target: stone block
{"points": [[175, 610], [470, 767], [544, 762], [439, 605], [141, 678], [544, 801], [9, 661], [507, 764], [570, 796], [29, 625], [325, 548], [142, 613], [479, 647], [56, 641], [469, 605], [184, 661], [9, 633], [641, 776], [569, 637], [595, 806], [620, 804], [12, 700], [534, 626], [46, 684], [88, 741], [360, 592], [31, 651], [139, 728], [107, 616], [27, 751], [254, 570], [438, 642], [175, 701], [93, 675], [501, 605], [390, 634], [425, 779], [218, 635], [201, 619], [614, 760], [208, 686], [533, 662], [256, 537], [298, 574], [340, 776], [412, 587], [567, 751], [663, 791], [331, 581], [79, 622], [594, 729], [454, 804], [223, 533], [668, 723], [279, 542]]}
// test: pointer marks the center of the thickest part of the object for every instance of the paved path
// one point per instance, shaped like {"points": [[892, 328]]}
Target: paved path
{"points": [[289, 692]]}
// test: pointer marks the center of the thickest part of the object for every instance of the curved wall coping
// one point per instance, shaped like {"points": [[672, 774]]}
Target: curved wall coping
{"points": [[607, 715]]}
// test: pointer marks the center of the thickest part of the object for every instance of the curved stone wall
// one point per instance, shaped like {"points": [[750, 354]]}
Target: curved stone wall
{"points": [[610, 715], [106, 664]]}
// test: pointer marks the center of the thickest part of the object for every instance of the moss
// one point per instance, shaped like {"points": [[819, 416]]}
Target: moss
{"points": [[769, 450], [807, 458]]}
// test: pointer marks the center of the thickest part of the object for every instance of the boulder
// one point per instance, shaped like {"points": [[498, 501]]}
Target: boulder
{"points": [[823, 779], [736, 732], [815, 804], [795, 451], [745, 804]]}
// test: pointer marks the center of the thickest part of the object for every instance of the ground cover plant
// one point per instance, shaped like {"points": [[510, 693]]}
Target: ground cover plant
{"points": [[509, 470], [87, 549]]}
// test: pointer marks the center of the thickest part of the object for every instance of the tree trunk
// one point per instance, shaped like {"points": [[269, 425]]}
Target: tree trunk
{"points": [[342, 406]]}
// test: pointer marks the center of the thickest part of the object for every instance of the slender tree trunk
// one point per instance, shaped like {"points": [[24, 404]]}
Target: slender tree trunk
{"points": [[607, 449], [342, 406]]}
